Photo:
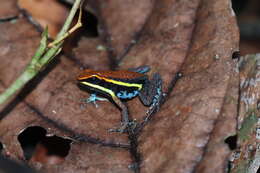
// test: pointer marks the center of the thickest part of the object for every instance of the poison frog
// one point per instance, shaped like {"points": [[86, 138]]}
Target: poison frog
{"points": [[122, 85]]}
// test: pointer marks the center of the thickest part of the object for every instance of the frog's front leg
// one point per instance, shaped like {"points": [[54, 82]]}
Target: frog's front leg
{"points": [[93, 98], [126, 125], [125, 118]]}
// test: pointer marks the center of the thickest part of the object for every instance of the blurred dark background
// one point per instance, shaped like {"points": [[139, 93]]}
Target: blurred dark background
{"points": [[248, 17]]}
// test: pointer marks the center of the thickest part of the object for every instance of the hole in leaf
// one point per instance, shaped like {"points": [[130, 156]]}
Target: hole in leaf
{"points": [[89, 20], [89, 29], [41, 148], [231, 141], [52, 150], [236, 55], [29, 138], [90, 24], [57, 145]]}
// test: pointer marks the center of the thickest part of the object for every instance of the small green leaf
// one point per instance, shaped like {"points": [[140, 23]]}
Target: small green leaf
{"points": [[247, 126]]}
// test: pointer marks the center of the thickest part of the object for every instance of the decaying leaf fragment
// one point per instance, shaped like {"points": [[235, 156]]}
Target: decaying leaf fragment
{"points": [[246, 158]]}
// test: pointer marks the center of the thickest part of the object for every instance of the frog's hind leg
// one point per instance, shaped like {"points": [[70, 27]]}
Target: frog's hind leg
{"points": [[151, 93]]}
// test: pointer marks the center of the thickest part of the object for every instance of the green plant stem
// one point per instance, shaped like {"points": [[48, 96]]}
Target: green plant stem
{"points": [[19, 83], [41, 58], [69, 19]]}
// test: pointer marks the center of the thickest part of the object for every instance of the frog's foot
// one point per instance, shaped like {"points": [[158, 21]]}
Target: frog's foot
{"points": [[133, 124], [122, 129], [93, 98], [159, 96], [125, 126], [157, 100]]}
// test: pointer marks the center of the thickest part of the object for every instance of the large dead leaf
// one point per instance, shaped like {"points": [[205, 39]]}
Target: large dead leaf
{"points": [[195, 37]]}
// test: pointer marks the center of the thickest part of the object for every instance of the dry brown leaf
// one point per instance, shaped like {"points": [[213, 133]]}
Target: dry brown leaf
{"points": [[121, 23], [196, 37]]}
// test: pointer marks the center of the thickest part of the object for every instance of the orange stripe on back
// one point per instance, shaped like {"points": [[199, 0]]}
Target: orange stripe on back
{"points": [[120, 74]]}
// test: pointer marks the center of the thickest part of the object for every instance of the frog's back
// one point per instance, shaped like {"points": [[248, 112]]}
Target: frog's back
{"points": [[120, 75]]}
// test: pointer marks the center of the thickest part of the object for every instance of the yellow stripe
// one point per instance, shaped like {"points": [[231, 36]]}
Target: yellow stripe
{"points": [[110, 92], [139, 86]]}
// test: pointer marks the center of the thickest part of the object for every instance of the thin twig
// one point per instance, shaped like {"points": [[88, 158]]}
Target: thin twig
{"points": [[43, 55]]}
